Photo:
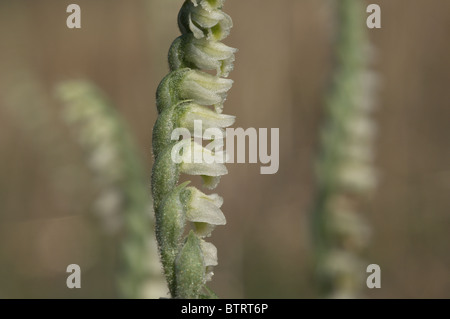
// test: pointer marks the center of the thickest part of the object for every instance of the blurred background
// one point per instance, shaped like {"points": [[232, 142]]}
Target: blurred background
{"points": [[282, 72]]}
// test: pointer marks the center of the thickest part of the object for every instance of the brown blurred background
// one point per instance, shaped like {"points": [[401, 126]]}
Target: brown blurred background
{"points": [[282, 70]]}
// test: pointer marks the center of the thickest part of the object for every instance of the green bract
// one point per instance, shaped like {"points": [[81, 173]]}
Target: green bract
{"points": [[184, 96]]}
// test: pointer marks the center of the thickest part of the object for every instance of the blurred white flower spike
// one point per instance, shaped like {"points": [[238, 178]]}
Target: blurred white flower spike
{"points": [[345, 171], [122, 201]]}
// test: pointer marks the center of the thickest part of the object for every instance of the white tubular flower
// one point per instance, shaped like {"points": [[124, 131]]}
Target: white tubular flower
{"points": [[209, 119], [205, 89], [347, 269], [204, 211], [192, 85], [197, 160], [205, 20], [210, 125], [210, 253], [358, 177], [211, 55], [369, 81], [345, 225], [210, 258], [362, 128], [359, 153], [188, 51], [108, 205], [105, 158]]}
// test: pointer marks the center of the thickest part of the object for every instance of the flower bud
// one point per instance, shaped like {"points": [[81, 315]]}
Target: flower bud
{"points": [[204, 20]]}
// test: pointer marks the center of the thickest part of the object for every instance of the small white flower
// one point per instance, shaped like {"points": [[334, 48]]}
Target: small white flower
{"points": [[205, 20], [209, 253], [208, 118], [345, 268], [358, 152], [204, 211], [357, 176], [188, 51], [108, 206], [210, 55], [204, 88], [210, 258], [345, 224], [197, 160], [361, 127], [204, 208], [106, 160]]}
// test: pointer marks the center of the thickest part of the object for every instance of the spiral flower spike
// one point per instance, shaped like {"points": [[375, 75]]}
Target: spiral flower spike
{"points": [[345, 172], [185, 216]]}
